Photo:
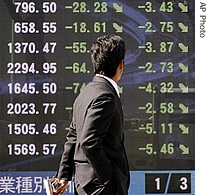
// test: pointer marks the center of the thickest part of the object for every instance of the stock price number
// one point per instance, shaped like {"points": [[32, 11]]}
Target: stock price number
{"points": [[30, 47], [30, 27], [31, 149], [164, 108], [78, 47], [81, 7], [30, 108], [78, 68], [30, 7], [166, 148], [164, 47], [81, 27], [30, 129], [165, 87], [164, 27], [30, 88], [166, 67], [165, 128], [164, 7], [25, 68]]}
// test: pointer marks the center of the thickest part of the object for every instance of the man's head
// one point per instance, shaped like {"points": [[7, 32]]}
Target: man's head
{"points": [[107, 55]]}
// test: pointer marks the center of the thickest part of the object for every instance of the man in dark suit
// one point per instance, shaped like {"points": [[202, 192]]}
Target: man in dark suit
{"points": [[94, 151]]}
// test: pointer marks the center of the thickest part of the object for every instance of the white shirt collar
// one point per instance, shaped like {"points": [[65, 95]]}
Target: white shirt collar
{"points": [[114, 84]]}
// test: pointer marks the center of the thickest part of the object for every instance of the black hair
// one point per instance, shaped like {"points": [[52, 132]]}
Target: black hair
{"points": [[106, 54]]}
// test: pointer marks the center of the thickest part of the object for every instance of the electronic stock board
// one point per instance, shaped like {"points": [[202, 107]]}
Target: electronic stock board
{"points": [[45, 63]]}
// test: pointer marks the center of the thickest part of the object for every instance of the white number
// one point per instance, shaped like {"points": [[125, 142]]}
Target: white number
{"points": [[23, 108], [49, 7], [49, 27], [157, 183], [25, 7], [49, 149], [24, 27], [29, 7], [183, 185], [24, 129], [22, 47], [49, 68], [49, 47], [49, 88], [17, 88], [50, 129], [22, 149], [49, 107], [20, 68]]}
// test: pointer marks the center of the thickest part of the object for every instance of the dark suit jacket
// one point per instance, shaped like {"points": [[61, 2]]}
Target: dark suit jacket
{"points": [[94, 143]]}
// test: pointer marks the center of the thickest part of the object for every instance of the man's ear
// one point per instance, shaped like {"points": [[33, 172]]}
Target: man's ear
{"points": [[121, 65], [119, 71]]}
